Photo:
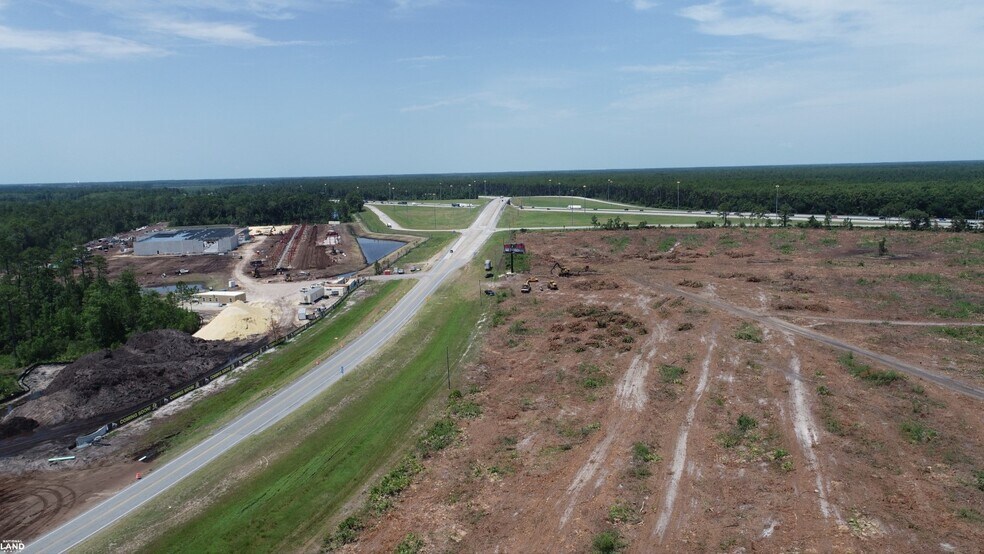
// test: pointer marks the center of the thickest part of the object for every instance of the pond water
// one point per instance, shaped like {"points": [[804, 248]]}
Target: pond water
{"points": [[374, 249], [164, 289]]}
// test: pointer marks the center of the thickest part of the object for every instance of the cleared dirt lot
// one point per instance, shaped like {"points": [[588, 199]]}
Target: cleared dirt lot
{"points": [[638, 400]]}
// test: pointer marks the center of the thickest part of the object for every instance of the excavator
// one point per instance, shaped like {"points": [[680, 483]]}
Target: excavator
{"points": [[564, 271], [552, 285]]}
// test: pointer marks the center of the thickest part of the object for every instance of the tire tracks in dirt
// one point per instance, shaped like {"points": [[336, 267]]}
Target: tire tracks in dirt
{"points": [[806, 431], [630, 396], [680, 451], [787, 327]]}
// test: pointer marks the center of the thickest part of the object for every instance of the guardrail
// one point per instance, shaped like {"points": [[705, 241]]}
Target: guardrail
{"points": [[202, 380]]}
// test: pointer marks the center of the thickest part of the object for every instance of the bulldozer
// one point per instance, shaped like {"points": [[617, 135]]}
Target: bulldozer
{"points": [[552, 285]]}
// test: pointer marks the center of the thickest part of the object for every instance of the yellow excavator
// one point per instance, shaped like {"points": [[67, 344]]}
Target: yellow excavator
{"points": [[563, 271], [552, 285]]}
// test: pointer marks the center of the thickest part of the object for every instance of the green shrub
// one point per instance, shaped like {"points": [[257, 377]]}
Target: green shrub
{"points": [[440, 435], [608, 542], [411, 544], [671, 373], [592, 376], [748, 332], [620, 513], [917, 432], [866, 373], [641, 453], [746, 423], [347, 532]]}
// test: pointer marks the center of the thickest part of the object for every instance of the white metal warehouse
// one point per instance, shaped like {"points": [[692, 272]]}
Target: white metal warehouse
{"points": [[199, 240]]}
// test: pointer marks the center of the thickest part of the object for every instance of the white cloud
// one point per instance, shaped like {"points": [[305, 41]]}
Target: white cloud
{"points": [[423, 59], [263, 9], [74, 45], [486, 99], [215, 32], [408, 5], [859, 22], [643, 5], [662, 69]]}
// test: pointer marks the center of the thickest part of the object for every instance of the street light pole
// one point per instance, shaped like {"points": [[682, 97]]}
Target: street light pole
{"points": [[678, 195], [777, 200]]}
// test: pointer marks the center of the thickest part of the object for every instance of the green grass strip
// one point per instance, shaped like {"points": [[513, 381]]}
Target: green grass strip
{"points": [[428, 217], [275, 370], [295, 494]]}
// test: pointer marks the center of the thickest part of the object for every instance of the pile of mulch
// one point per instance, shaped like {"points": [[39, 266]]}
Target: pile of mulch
{"points": [[107, 381]]}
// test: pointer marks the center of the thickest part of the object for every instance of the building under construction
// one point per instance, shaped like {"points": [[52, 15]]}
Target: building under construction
{"points": [[198, 240]]}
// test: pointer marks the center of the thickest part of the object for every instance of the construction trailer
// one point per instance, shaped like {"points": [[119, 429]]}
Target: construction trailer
{"points": [[303, 314], [310, 295], [343, 285]]}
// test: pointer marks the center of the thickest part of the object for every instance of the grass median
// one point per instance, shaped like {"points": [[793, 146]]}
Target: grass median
{"points": [[275, 370], [283, 489], [430, 217], [435, 241]]}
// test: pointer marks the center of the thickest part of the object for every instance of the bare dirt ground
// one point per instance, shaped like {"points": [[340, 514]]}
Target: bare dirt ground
{"points": [[632, 401], [41, 501], [154, 271], [308, 248]]}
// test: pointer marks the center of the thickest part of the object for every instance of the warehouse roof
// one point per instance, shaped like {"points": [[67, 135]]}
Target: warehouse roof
{"points": [[198, 233]]}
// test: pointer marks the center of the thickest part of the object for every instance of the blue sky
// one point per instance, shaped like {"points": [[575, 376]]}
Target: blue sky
{"points": [[105, 90]]}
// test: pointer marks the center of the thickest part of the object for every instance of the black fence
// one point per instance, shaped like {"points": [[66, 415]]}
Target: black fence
{"points": [[24, 389], [202, 380]]}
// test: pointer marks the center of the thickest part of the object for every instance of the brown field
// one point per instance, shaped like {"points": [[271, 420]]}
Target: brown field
{"points": [[691, 394]]}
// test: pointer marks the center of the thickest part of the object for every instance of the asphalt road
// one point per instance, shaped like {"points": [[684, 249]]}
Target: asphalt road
{"points": [[282, 403]]}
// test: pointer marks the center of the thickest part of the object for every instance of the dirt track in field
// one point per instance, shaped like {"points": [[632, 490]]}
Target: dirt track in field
{"points": [[722, 354]]}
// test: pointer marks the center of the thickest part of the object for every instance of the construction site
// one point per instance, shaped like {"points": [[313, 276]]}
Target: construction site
{"points": [[270, 273], [701, 390], [716, 391]]}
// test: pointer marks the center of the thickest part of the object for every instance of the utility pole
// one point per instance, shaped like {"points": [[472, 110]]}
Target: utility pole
{"points": [[777, 200], [678, 195]]}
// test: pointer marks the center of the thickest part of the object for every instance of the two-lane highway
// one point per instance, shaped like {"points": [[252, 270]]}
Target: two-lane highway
{"points": [[280, 404]]}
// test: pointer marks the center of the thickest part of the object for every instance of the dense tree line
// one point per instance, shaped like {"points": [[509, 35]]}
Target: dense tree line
{"points": [[66, 308], [943, 189], [51, 311]]}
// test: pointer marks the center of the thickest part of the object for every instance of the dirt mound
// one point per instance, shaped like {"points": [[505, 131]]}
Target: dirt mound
{"points": [[17, 425], [239, 320], [596, 284], [107, 381]]}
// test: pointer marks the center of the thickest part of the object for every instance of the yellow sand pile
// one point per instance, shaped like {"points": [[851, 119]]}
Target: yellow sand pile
{"points": [[238, 320]]}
